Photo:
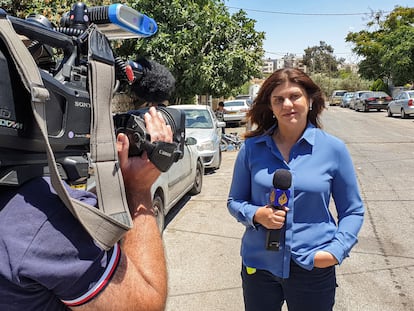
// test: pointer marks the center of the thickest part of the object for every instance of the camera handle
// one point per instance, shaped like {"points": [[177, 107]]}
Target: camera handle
{"points": [[105, 225]]}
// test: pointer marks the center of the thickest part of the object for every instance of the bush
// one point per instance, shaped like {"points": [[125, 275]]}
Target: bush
{"points": [[379, 85]]}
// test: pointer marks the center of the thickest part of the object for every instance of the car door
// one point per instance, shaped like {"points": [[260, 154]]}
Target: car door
{"points": [[401, 102], [178, 175]]}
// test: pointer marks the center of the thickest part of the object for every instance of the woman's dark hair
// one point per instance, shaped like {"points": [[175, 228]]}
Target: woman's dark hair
{"points": [[260, 113]]}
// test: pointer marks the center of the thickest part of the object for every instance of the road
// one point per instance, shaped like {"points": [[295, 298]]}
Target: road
{"points": [[202, 240]]}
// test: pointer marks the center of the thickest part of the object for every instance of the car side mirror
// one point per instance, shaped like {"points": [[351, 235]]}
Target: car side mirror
{"points": [[190, 141], [221, 124]]}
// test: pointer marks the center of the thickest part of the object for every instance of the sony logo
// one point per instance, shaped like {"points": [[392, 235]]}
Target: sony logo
{"points": [[82, 105]]}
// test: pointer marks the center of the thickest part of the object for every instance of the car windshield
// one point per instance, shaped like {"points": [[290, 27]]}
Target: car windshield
{"points": [[196, 118], [339, 93], [376, 94], [236, 103]]}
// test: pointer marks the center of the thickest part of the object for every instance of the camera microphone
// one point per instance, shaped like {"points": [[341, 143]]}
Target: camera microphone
{"points": [[150, 80], [279, 197]]}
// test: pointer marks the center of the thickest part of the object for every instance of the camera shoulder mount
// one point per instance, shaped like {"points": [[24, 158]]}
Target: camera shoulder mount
{"points": [[110, 221]]}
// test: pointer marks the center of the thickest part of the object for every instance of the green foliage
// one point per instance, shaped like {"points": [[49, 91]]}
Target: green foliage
{"points": [[379, 85], [208, 50], [320, 59], [350, 82], [387, 51], [51, 9]]}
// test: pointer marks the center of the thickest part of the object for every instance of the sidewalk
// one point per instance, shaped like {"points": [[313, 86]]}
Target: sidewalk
{"points": [[202, 244]]}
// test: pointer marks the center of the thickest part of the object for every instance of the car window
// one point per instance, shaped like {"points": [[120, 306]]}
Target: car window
{"points": [[379, 94], [339, 93], [366, 95], [411, 94], [234, 104], [196, 118], [359, 94]]}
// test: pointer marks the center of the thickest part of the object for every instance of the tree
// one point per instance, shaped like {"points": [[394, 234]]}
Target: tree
{"points": [[388, 50], [320, 59], [208, 50]]}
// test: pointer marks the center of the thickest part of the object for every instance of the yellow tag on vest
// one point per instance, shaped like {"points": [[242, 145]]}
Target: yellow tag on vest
{"points": [[250, 270]]}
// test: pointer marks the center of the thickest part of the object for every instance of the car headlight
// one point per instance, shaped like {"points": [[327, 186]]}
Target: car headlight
{"points": [[207, 145]]}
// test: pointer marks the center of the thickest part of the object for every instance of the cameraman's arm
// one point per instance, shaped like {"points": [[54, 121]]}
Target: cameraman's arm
{"points": [[140, 281]]}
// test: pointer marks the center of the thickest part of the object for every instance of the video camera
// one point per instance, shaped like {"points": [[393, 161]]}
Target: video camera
{"points": [[61, 55]]}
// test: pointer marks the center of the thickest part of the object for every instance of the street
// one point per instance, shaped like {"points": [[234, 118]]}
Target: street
{"points": [[202, 240]]}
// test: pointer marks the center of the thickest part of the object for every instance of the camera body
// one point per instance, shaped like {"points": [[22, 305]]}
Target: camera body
{"points": [[62, 58], [162, 154]]}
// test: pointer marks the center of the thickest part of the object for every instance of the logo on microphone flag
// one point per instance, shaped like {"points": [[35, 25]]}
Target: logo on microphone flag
{"points": [[279, 197]]}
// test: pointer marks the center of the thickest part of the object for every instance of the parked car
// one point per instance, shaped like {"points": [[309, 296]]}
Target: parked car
{"points": [[403, 104], [373, 100], [356, 96], [346, 99], [235, 111], [246, 97], [184, 177], [336, 97], [202, 124]]}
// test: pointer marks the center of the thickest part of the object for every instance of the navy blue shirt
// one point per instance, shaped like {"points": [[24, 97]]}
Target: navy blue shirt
{"points": [[321, 168], [47, 260]]}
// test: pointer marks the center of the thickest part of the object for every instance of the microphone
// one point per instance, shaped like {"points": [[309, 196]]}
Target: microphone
{"points": [[149, 80], [279, 197]]}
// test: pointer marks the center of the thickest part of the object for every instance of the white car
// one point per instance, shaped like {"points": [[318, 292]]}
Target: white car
{"points": [[184, 177], [235, 111], [202, 124]]}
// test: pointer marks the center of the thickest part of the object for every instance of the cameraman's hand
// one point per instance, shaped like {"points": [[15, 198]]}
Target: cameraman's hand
{"points": [[157, 127], [140, 280], [138, 172]]}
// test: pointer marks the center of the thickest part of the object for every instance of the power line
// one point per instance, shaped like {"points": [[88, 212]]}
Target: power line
{"points": [[303, 14]]}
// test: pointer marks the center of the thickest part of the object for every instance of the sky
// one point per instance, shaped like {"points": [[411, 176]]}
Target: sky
{"points": [[291, 26]]}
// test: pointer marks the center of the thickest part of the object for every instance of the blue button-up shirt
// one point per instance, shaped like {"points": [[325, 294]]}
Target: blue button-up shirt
{"points": [[321, 167]]}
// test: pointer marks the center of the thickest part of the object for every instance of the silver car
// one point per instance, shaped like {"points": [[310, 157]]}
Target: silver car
{"points": [[354, 98], [403, 104], [202, 124], [346, 99], [184, 177]]}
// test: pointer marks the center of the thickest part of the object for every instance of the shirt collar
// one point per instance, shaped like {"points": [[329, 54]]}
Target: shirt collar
{"points": [[308, 135]]}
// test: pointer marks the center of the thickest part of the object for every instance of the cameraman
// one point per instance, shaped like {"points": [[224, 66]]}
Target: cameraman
{"points": [[49, 262]]}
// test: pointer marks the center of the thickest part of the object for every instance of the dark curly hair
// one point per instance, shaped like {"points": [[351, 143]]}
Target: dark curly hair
{"points": [[260, 113]]}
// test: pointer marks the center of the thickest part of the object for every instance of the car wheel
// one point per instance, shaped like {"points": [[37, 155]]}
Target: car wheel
{"points": [[198, 179], [389, 113], [158, 206], [403, 114]]}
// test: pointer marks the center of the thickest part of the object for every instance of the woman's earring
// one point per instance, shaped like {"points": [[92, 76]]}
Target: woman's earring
{"points": [[310, 105]]}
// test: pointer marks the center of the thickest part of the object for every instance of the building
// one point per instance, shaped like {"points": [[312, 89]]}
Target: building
{"points": [[289, 60]]}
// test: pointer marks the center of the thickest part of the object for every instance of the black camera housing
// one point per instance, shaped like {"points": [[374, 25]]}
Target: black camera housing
{"points": [[162, 154], [68, 110]]}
